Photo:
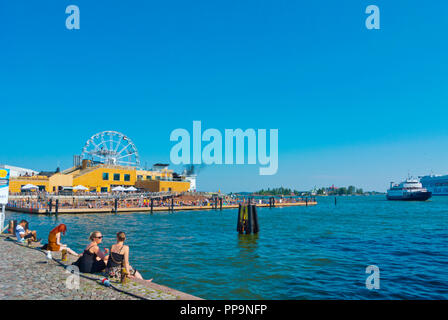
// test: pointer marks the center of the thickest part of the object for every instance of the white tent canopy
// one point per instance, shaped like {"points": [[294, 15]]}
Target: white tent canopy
{"points": [[80, 188], [131, 189], [119, 188], [29, 187]]}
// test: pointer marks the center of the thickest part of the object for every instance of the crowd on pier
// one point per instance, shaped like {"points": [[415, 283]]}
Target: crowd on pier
{"points": [[141, 201]]}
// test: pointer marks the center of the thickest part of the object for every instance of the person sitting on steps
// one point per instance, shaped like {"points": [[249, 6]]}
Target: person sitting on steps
{"points": [[93, 260], [54, 240], [119, 259], [23, 233]]}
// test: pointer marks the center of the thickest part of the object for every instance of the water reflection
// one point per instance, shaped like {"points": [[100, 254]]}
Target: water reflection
{"points": [[248, 241], [248, 244]]}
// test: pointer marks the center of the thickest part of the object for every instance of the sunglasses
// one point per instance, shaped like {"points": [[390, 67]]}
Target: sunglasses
{"points": [[100, 237]]}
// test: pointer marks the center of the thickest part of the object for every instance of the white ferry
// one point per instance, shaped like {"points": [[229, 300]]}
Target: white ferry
{"points": [[410, 190], [437, 184]]}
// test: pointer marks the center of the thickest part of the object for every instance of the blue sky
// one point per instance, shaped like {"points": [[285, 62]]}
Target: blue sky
{"points": [[353, 106]]}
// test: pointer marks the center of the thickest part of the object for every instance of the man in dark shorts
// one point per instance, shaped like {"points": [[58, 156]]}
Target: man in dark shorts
{"points": [[23, 233]]}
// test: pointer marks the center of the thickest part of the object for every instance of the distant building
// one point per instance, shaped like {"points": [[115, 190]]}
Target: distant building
{"points": [[160, 166], [192, 180], [17, 171]]}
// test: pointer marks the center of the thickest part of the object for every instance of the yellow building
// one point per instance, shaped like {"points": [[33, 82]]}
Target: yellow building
{"points": [[59, 180], [16, 183], [102, 178]]}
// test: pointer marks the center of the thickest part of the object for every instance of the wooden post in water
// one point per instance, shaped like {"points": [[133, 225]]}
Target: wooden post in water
{"points": [[172, 203], [255, 227], [152, 205], [116, 205], [247, 219], [248, 227], [238, 224], [57, 206], [220, 203]]}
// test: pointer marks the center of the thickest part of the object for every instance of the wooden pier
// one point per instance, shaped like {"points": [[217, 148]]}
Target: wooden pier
{"points": [[154, 209]]}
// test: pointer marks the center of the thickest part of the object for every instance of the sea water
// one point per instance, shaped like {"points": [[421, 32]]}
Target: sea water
{"points": [[316, 252]]}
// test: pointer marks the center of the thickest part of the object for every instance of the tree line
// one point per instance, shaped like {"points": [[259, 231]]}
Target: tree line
{"points": [[350, 190], [277, 192], [340, 191]]}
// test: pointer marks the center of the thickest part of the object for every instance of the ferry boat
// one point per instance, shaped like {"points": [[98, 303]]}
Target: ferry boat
{"points": [[436, 184], [409, 190]]}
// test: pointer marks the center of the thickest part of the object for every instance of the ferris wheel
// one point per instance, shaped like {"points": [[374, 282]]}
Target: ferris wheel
{"points": [[111, 147]]}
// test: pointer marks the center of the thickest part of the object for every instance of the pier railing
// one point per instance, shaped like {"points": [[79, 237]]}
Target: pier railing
{"points": [[121, 201]]}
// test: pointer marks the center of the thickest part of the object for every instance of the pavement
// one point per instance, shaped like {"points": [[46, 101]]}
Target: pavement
{"points": [[27, 274]]}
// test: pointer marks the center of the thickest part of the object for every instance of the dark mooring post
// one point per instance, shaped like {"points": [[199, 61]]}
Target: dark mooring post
{"points": [[116, 205], [57, 206], [220, 203], [247, 219], [306, 201], [248, 227], [238, 224], [152, 205], [254, 219], [335, 201], [50, 205], [172, 203]]}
